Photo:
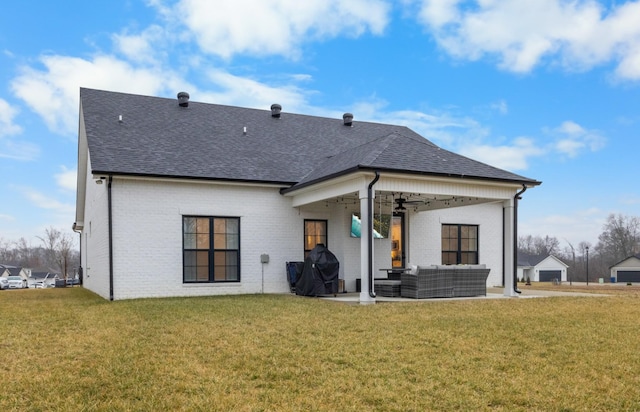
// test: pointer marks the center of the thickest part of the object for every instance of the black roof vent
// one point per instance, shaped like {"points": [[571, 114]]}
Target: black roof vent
{"points": [[348, 119], [275, 110], [183, 99]]}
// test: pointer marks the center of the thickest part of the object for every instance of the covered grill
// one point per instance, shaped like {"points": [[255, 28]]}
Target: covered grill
{"points": [[320, 273]]}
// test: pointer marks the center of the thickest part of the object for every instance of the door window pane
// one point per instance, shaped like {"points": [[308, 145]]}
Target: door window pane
{"points": [[315, 232]]}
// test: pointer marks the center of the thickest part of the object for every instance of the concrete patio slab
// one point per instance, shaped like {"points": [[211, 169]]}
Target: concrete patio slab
{"points": [[492, 293]]}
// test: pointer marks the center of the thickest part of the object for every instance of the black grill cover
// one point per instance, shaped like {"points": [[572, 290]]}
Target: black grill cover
{"points": [[320, 273]]}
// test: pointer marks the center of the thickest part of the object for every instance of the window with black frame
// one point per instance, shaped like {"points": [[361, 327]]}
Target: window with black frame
{"points": [[315, 232], [211, 249], [459, 244]]}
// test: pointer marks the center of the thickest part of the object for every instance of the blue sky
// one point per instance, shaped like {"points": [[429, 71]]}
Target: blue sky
{"points": [[548, 89]]}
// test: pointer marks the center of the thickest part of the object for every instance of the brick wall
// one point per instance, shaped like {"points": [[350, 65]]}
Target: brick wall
{"points": [[147, 237], [147, 232], [425, 236], [95, 241]]}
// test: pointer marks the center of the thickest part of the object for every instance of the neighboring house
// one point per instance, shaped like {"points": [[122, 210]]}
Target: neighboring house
{"points": [[627, 270], [9, 270], [541, 268], [178, 198]]}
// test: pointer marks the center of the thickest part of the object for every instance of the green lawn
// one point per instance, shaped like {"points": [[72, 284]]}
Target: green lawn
{"points": [[67, 349]]}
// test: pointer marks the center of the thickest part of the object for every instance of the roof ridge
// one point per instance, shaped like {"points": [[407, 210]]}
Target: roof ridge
{"points": [[369, 143], [234, 107], [350, 151]]}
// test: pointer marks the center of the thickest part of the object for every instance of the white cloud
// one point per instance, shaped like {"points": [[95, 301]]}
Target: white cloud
{"points": [[275, 26], [441, 127], [11, 147], [43, 210], [470, 138], [53, 93], [615, 37], [629, 67], [572, 139], [301, 77], [440, 13], [500, 106], [140, 47], [521, 34], [66, 179], [460, 134], [7, 115], [44, 202], [15, 149], [582, 225], [568, 139], [630, 200], [242, 91], [514, 156]]}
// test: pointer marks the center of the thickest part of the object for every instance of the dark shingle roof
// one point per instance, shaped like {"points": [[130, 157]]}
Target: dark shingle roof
{"points": [[13, 270], [525, 259], [207, 141]]}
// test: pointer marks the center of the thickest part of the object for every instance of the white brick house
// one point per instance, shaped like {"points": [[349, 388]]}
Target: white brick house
{"points": [[177, 198]]}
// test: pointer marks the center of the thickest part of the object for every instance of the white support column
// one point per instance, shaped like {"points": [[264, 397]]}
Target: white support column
{"points": [[509, 234], [364, 248]]}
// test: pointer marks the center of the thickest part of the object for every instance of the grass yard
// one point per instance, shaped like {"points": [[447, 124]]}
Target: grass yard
{"points": [[67, 349]]}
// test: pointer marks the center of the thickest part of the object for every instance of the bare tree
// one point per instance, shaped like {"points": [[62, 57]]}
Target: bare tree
{"points": [[50, 243], [7, 251], [65, 247], [58, 247], [549, 245], [583, 246], [570, 254], [526, 244], [27, 255], [620, 238], [538, 245]]}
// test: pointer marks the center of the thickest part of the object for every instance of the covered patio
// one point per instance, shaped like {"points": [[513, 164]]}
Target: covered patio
{"points": [[424, 202]]}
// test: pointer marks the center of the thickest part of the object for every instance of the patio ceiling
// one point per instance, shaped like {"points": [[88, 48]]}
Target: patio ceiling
{"points": [[416, 202], [421, 193]]}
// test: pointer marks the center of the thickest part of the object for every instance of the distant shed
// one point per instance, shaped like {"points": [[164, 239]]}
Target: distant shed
{"points": [[541, 268], [627, 270]]}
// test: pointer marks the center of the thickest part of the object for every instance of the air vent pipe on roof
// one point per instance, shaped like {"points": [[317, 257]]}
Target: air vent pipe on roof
{"points": [[275, 110], [183, 99], [348, 119]]}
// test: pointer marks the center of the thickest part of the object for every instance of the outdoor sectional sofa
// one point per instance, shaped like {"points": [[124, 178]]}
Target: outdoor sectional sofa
{"points": [[444, 281]]}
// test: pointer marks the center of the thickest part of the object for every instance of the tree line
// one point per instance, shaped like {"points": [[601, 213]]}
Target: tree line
{"points": [[620, 239], [56, 252]]}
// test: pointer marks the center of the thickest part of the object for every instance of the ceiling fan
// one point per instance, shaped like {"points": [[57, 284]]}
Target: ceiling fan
{"points": [[401, 201]]}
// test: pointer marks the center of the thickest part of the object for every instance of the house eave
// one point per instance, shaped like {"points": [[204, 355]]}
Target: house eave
{"points": [[97, 174], [624, 260], [369, 169]]}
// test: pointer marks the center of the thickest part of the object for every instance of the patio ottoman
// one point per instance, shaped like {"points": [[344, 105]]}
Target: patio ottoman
{"points": [[387, 288]]}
